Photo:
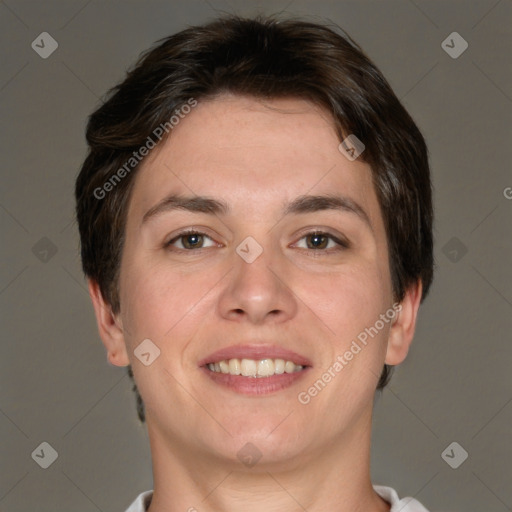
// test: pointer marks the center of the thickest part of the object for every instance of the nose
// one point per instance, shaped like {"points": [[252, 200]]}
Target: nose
{"points": [[258, 292]]}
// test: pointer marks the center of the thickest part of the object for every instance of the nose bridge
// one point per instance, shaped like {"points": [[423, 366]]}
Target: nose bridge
{"points": [[255, 288]]}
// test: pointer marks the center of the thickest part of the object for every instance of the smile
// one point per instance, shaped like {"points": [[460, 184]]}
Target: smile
{"points": [[255, 368]]}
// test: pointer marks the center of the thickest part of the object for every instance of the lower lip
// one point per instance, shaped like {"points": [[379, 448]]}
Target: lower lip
{"points": [[255, 385]]}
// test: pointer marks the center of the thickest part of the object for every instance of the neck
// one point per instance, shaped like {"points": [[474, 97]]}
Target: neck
{"points": [[334, 478]]}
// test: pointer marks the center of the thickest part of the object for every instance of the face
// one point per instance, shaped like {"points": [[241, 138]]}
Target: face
{"points": [[253, 264]]}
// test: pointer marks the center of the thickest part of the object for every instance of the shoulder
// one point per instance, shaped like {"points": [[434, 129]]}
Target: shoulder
{"points": [[141, 503], [397, 504]]}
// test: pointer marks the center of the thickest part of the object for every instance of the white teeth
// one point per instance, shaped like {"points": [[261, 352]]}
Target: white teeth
{"points": [[248, 367], [255, 368], [234, 367], [279, 366], [224, 367], [266, 368], [289, 367]]}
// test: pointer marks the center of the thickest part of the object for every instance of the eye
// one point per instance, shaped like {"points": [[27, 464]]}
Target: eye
{"points": [[318, 240], [189, 240]]}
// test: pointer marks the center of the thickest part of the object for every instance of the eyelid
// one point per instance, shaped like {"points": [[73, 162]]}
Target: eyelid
{"points": [[340, 240], [323, 230], [196, 231]]}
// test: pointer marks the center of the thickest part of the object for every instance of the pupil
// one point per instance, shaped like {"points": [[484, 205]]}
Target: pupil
{"points": [[317, 240], [192, 240]]}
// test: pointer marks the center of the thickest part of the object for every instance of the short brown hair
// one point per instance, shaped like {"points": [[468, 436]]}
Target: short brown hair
{"points": [[265, 58]]}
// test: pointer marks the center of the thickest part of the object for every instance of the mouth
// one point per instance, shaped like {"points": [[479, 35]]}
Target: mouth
{"points": [[255, 369]]}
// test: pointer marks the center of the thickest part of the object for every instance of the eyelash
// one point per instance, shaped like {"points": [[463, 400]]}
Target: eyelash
{"points": [[342, 244]]}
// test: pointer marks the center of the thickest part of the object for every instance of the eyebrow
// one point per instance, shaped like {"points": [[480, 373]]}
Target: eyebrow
{"points": [[300, 205]]}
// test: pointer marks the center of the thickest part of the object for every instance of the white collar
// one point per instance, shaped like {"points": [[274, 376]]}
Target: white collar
{"points": [[143, 500]]}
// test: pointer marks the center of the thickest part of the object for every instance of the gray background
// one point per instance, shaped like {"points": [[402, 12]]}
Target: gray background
{"points": [[56, 385]]}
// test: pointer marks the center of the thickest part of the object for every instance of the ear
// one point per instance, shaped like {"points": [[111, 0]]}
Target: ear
{"points": [[109, 326], [404, 325]]}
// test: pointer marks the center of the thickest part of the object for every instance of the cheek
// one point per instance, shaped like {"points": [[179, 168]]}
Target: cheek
{"points": [[158, 302], [350, 305], [346, 301]]}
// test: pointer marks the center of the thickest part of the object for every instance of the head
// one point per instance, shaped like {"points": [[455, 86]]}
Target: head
{"points": [[251, 112]]}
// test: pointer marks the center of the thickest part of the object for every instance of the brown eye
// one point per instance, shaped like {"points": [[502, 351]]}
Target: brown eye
{"points": [[192, 241], [189, 240], [322, 242], [317, 241]]}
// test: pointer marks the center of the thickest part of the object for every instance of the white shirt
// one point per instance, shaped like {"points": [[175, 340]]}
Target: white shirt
{"points": [[143, 500]]}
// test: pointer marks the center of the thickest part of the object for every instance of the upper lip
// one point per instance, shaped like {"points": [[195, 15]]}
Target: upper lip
{"points": [[255, 351]]}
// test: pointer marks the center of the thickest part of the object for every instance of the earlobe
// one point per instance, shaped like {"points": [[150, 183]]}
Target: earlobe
{"points": [[109, 327], [404, 325]]}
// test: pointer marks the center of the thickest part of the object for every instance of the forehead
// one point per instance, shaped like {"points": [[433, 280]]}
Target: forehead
{"points": [[253, 154]]}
